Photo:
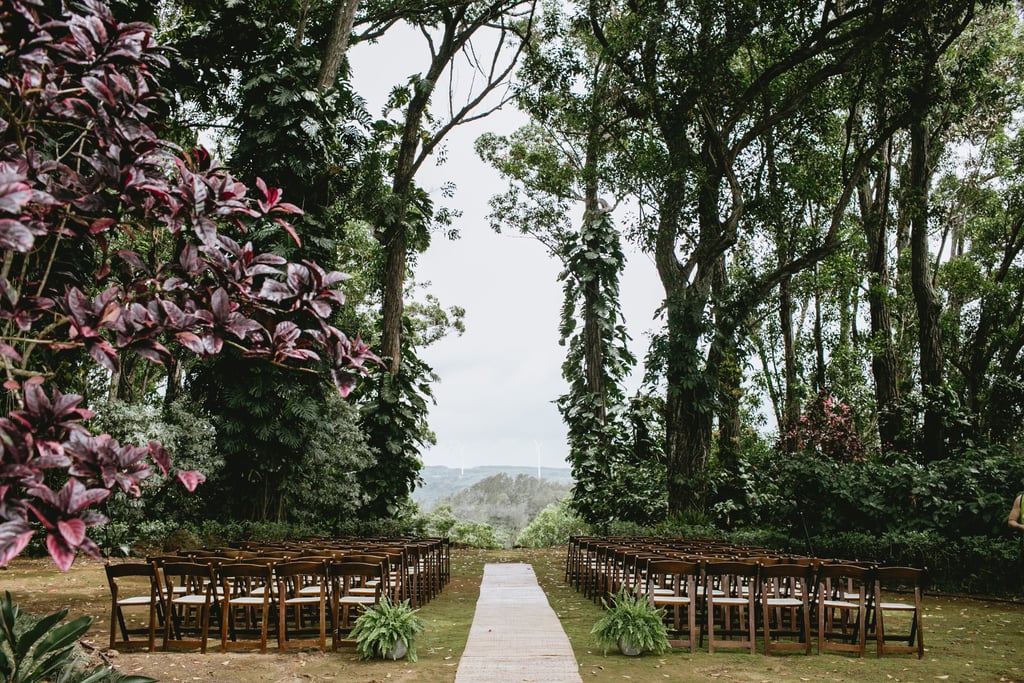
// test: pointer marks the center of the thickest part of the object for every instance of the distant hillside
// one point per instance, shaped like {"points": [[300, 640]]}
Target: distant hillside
{"points": [[440, 481]]}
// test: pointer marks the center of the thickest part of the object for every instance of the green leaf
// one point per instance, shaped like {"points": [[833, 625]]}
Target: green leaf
{"points": [[23, 644], [60, 639]]}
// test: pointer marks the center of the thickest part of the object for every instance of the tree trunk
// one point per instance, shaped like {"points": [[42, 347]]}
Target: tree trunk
{"points": [[925, 298], [791, 404], [819, 341], [692, 384], [874, 203], [687, 441], [723, 358], [394, 236], [393, 296], [730, 391], [337, 43], [175, 380]]}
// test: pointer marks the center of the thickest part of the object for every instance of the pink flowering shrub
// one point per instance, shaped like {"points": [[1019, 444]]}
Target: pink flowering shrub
{"points": [[825, 430]]}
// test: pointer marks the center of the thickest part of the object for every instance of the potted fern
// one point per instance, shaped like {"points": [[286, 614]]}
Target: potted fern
{"points": [[632, 624], [387, 630]]}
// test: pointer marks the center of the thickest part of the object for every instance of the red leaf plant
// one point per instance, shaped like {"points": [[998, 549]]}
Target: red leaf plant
{"points": [[81, 165]]}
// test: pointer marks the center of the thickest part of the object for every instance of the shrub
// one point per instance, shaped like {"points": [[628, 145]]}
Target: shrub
{"points": [[553, 526], [825, 430], [475, 534], [83, 169], [440, 521], [633, 619], [381, 627]]}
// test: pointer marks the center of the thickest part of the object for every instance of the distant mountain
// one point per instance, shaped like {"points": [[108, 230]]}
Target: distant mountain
{"points": [[440, 481]]}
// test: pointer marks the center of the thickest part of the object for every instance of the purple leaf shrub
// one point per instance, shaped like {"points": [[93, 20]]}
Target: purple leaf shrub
{"points": [[81, 164]]}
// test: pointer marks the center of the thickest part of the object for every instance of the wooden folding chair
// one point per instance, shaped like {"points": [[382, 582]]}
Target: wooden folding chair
{"points": [[785, 606], [302, 598], [344, 577], [245, 601], [912, 635], [672, 585], [189, 591], [842, 607], [729, 589], [133, 585]]}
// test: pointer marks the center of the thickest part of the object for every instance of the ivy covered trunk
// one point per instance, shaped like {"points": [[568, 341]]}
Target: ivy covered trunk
{"points": [[689, 405], [687, 448]]}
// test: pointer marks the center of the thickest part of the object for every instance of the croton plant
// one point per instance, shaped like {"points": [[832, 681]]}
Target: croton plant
{"points": [[116, 241]]}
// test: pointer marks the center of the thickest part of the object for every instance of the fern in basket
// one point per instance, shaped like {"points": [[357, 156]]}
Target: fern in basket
{"points": [[631, 621], [380, 628]]}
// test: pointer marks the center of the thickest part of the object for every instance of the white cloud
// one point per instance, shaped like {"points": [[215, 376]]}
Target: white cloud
{"points": [[498, 380]]}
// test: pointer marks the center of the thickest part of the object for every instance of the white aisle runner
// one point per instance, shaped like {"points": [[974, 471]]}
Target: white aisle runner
{"points": [[515, 636]]}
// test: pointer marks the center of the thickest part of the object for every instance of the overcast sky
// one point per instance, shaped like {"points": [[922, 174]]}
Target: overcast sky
{"points": [[495, 401]]}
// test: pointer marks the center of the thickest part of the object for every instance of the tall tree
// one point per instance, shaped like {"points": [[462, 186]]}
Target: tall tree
{"points": [[929, 36], [711, 81], [561, 162], [449, 30], [401, 213]]}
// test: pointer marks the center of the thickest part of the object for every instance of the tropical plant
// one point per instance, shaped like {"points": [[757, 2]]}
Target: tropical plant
{"points": [[825, 430], [39, 651], [116, 243], [631, 621], [44, 649], [383, 626]]}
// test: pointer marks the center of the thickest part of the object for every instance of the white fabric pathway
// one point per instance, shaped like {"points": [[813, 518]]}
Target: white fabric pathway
{"points": [[515, 635]]}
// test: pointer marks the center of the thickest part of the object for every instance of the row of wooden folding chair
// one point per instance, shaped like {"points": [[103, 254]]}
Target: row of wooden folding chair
{"points": [[427, 560], [842, 604], [600, 568], [183, 597]]}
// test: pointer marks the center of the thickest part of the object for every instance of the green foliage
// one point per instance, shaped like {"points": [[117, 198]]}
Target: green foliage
{"points": [[618, 463], [381, 626], [965, 496], [189, 438], [634, 619], [394, 418], [476, 535], [553, 527], [440, 521], [976, 565], [38, 650], [406, 522], [292, 448]]}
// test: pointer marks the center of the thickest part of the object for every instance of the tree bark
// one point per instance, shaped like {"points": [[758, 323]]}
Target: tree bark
{"points": [[926, 300], [819, 342], [874, 209], [791, 404], [593, 347], [730, 390], [691, 384], [337, 43], [395, 236]]}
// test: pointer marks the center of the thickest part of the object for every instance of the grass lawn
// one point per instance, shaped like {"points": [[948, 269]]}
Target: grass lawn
{"points": [[965, 639]]}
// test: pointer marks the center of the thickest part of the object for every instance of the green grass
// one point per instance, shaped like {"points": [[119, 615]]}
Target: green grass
{"points": [[966, 640]]}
